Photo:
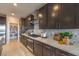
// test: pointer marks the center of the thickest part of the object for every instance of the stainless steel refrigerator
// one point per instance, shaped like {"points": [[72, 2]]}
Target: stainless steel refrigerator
{"points": [[2, 30]]}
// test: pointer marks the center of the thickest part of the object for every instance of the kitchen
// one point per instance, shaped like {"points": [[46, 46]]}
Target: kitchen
{"points": [[49, 30], [51, 21]]}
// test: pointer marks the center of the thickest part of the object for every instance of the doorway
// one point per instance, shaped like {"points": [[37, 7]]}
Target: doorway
{"points": [[13, 31]]}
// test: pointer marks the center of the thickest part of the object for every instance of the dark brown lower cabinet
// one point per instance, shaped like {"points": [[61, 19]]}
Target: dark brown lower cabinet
{"points": [[46, 50], [52, 51], [37, 48], [59, 52], [30, 44], [23, 40], [42, 49]]}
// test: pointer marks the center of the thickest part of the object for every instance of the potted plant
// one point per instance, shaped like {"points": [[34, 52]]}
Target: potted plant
{"points": [[66, 36]]}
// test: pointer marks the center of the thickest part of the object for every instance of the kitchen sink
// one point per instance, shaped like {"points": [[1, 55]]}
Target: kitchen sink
{"points": [[34, 35]]}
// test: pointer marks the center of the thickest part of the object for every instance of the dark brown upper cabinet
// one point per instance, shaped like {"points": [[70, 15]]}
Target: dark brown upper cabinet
{"points": [[54, 12], [22, 25], [77, 15], [59, 16], [67, 16], [42, 16], [29, 24]]}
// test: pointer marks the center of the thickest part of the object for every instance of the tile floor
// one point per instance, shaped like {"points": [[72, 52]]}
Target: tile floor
{"points": [[15, 48]]}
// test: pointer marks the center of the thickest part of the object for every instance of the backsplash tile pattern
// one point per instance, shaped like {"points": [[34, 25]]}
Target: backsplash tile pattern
{"points": [[51, 32]]}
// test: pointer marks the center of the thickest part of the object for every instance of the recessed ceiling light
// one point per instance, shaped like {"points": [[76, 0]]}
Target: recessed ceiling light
{"points": [[12, 14], [15, 4]]}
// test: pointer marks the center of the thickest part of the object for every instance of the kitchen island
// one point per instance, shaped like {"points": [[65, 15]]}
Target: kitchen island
{"points": [[43, 46]]}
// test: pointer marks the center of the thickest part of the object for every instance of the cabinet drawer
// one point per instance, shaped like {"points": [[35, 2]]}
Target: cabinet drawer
{"points": [[29, 40], [46, 46], [37, 42]]}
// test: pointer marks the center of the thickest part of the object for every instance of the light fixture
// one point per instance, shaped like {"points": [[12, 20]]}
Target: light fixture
{"points": [[40, 15], [56, 7], [12, 14], [15, 4]]}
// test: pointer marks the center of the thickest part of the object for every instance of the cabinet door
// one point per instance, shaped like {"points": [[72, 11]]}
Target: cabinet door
{"points": [[54, 11], [23, 40], [67, 16], [26, 23], [53, 51], [59, 52], [29, 22], [22, 24], [46, 50], [30, 44], [42, 16], [77, 15], [26, 42], [37, 48]]}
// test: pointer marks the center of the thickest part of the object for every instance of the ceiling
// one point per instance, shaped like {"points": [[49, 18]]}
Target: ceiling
{"points": [[22, 9]]}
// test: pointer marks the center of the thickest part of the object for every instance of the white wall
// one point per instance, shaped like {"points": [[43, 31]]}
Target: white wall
{"points": [[11, 19]]}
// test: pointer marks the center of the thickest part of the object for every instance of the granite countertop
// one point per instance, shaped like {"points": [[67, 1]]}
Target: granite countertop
{"points": [[73, 49]]}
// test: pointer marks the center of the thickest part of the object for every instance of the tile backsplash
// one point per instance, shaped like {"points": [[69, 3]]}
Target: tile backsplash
{"points": [[51, 32]]}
